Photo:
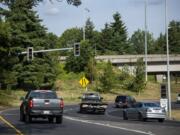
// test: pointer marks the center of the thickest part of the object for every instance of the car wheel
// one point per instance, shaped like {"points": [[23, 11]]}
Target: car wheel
{"points": [[28, 118], [125, 116], [22, 116], [161, 120], [140, 117], [59, 119], [51, 119]]}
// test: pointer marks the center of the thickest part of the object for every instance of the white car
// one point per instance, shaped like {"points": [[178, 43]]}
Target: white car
{"points": [[178, 98]]}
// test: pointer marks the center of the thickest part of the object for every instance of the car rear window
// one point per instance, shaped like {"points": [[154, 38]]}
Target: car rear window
{"points": [[91, 96], [121, 98], [43, 95], [151, 105]]}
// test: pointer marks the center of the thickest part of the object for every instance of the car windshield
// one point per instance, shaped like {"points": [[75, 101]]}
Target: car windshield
{"points": [[43, 95], [151, 105]]}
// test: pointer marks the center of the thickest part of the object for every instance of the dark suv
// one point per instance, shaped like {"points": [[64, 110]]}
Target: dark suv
{"points": [[124, 101]]}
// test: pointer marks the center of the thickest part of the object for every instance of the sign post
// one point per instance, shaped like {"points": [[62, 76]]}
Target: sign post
{"points": [[84, 82]]}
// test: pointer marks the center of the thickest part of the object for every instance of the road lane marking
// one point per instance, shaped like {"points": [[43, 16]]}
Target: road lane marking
{"points": [[108, 125], [10, 125]]}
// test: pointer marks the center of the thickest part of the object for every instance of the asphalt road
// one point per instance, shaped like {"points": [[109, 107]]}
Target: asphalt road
{"points": [[75, 123]]}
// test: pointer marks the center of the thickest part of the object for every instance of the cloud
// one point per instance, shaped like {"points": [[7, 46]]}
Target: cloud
{"points": [[52, 11]]}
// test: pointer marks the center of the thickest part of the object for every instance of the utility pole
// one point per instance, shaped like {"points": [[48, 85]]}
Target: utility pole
{"points": [[167, 55], [145, 39]]}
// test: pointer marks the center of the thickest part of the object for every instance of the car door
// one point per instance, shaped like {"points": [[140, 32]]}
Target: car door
{"points": [[136, 109], [131, 111]]}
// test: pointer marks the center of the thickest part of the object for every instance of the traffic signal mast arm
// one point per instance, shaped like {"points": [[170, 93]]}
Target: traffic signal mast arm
{"points": [[30, 52], [49, 50]]}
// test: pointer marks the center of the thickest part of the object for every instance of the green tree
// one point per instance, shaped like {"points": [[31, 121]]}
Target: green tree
{"points": [[8, 56], [68, 38], [138, 43], [139, 80], [113, 39], [107, 78], [105, 40], [89, 29], [78, 64], [119, 41], [174, 37], [90, 70], [160, 44], [26, 31]]}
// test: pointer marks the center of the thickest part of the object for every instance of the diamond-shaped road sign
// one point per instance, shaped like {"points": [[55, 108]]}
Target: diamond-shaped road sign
{"points": [[84, 82]]}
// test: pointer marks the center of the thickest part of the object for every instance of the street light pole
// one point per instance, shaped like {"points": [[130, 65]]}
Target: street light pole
{"points": [[84, 27], [145, 40], [167, 55]]}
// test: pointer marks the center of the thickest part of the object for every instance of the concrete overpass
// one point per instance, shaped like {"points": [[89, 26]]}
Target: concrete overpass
{"points": [[156, 63]]}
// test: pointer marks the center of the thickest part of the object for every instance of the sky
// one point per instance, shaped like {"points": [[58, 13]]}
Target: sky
{"points": [[59, 16]]}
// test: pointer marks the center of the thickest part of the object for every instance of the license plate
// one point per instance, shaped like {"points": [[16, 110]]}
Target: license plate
{"points": [[46, 112], [157, 111]]}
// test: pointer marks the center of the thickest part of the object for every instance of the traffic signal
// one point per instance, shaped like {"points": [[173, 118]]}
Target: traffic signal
{"points": [[30, 54], [76, 49], [163, 90]]}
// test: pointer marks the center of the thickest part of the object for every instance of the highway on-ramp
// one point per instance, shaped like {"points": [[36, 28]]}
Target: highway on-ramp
{"points": [[75, 123]]}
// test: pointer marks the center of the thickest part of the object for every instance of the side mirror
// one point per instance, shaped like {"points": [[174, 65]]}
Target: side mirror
{"points": [[102, 98], [22, 98]]}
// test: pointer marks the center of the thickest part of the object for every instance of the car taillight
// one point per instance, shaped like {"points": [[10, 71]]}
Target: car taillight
{"points": [[30, 103], [61, 104]]}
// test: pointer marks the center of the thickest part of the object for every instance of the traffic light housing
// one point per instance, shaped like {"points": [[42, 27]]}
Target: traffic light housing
{"points": [[163, 90], [77, 49], [30, 54]]}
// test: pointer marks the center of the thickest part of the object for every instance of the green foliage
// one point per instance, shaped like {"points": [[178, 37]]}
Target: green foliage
{"points": [[113, 38], [90, 70], [24, 29], [137, 42], [107, 79], [174, 37], [160, 44], [125, 78], [78, 64], [68, 38], [139, 80]]}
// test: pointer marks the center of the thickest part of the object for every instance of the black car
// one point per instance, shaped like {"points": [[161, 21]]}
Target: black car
{"points": [[41, 104], [124, 101]]}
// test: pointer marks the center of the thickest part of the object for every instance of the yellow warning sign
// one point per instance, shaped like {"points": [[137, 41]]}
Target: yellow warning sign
{"points": [[84, 82]]}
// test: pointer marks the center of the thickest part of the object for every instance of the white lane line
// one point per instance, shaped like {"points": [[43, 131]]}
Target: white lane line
{"points": [[108, 125]]}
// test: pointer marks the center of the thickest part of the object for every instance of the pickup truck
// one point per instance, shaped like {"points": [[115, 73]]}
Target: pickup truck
{"points": [[41, 104], [92, 102]]}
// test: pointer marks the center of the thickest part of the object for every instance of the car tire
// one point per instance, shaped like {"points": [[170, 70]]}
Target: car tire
{"points": [[22, 116], [125, 116], [140, 117], [59, 119], [50, 119], [28, 118], [161, 120]]}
